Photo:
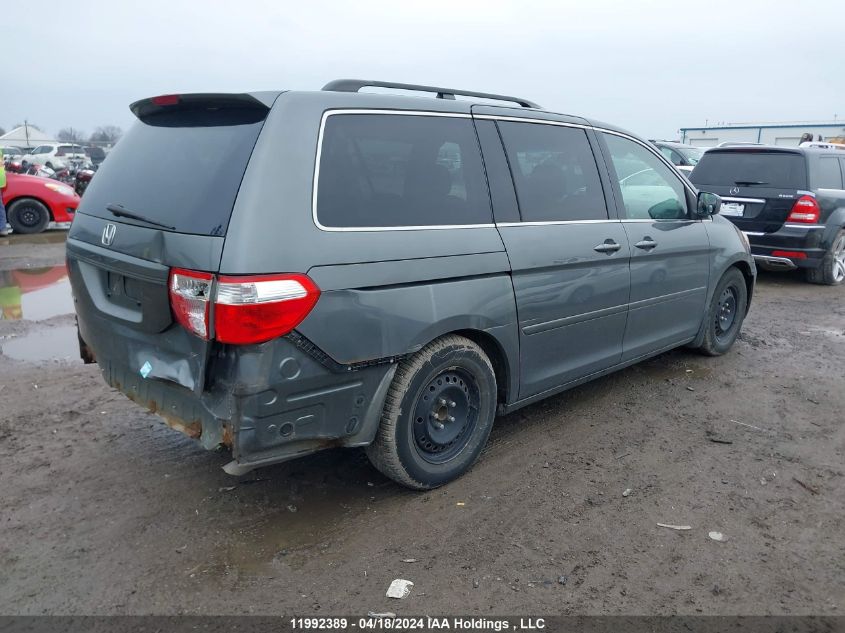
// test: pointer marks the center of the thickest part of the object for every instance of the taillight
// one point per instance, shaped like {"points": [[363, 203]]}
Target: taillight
{"points": [[790, 254], [805, 210], [247, 309], [166, 100], [259, 308], [190, 299]]}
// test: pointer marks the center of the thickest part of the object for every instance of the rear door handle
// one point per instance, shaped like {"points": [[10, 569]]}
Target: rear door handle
{"points": [[646, 244], [608, 246]]}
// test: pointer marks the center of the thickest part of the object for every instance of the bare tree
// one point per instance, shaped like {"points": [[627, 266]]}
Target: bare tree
{"points": [[70, 135], [2, 131], [106, 134]]}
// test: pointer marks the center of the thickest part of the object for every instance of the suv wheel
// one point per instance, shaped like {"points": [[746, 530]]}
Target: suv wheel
{"points": [[725, 314], [437, 415], [832, 270], [28, 215]]}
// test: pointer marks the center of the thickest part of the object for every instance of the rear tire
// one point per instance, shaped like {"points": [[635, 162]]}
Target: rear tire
{"points": [[725, 314], [832, 270], [28, 215], [437, 416]]}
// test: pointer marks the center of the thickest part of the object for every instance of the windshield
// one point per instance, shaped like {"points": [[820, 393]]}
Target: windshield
{"points": [[181, 168], [692, 154], [751, 169]]}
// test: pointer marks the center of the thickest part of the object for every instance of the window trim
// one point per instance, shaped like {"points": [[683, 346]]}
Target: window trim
{"points": [[359, 229], [492, 117]]}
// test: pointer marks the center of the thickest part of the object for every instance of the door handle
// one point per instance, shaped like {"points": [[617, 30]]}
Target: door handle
{"points": [[646, 244], [608, 246]]}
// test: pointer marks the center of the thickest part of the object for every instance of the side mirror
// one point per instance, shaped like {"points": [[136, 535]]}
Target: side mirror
{"points": [[708, 204]]}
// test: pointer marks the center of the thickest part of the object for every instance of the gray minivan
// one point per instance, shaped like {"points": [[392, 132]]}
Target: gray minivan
{"points": [[279, 273]]}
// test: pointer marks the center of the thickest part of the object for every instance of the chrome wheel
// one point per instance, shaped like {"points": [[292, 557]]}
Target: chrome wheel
{"points": [[838, 272]]}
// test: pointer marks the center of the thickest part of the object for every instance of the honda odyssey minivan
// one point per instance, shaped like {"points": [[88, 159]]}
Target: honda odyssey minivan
{"points": [[277, 273]]}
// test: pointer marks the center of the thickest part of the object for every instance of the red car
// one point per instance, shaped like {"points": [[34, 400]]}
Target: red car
{"points": [[32, 202]]}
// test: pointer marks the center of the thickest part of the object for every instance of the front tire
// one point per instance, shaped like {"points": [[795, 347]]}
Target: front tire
{"points": [[28, 215], [437, 416], [832, 270], [725, 314]]}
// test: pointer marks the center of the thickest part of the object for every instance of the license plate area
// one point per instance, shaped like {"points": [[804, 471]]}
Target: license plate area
{"points": [[732, 209]]}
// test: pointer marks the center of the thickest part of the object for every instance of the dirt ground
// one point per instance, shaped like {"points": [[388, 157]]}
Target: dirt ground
{"points": [[105, 510]]}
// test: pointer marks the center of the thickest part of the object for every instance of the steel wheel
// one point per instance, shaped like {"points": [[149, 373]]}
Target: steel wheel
{"points": [[437, 414], [725, 312], [27, 215], [445, 415]]}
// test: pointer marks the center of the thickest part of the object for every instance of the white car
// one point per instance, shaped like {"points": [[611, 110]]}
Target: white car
{"points": [[58, 156]]}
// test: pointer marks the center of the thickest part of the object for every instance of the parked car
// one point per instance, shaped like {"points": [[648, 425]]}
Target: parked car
{"points": [[418, 266], [58, 157], [33, 202], [683, 157], [12, 159], [96, 155], [790, 202], [12, 153]]}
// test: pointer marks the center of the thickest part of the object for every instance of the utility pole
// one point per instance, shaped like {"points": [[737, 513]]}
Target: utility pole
{"points": [[26, 131]]}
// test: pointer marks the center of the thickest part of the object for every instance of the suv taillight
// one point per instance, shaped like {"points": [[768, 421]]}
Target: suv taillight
{"points": [[805, 211], [248, 309]]}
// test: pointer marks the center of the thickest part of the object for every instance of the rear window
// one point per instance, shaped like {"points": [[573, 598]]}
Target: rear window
{"points": [[751, 169], [398, 170], [179, 167], [828, 176]]}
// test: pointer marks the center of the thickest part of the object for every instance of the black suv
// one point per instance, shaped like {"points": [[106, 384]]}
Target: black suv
{"points": [[790, 202]]}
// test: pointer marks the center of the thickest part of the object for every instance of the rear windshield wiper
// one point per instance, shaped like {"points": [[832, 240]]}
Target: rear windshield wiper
{"points": [[749, 182], [120, 212]]}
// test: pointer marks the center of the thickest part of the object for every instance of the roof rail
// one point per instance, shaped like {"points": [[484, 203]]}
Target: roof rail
{"points": [[735, 143], [354, 85], [822, 145]]}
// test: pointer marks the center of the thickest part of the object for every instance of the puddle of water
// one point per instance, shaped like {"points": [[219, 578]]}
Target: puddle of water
{"points": [[34, 294], [59, 343], [47, 237]]}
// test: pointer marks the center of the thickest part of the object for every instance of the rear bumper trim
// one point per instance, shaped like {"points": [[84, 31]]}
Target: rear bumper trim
{"points": [[775, 262]]}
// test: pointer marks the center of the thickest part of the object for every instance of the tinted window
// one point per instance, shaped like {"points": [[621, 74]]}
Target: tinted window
{"points": [[674, 157], [554, 171], [650, 189], [400, 170], [750, 168], [180, 168], [828, 175]]}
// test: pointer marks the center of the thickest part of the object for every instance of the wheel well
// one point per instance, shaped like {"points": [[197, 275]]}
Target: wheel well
{"points": [[745, 269], [46, 204], [497, 358]]}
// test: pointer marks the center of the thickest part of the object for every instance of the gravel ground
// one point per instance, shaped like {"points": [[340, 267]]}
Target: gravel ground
{"points": [[105, 510]]}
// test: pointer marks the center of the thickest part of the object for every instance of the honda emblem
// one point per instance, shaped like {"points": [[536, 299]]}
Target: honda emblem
{"points": [[108, 234]]}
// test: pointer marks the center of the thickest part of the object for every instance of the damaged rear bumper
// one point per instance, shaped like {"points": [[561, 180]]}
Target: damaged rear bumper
{"points": [[266, 403]]}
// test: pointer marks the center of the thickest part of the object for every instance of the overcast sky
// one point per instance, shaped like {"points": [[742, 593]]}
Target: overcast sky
{"points": [[651, 67]]}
